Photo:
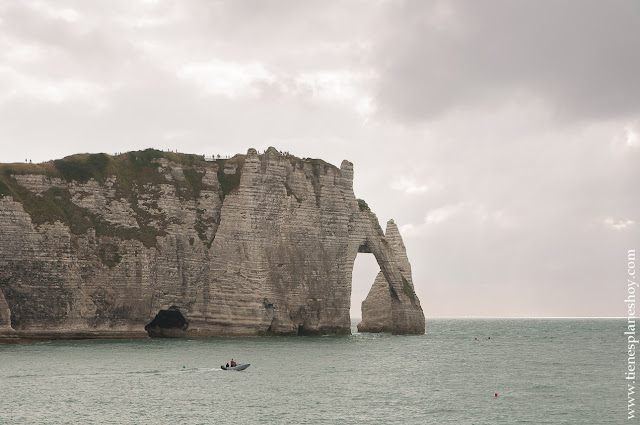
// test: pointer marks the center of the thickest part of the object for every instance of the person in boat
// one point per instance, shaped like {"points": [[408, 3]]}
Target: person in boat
{"points": [[227, 364], [233, 364]]}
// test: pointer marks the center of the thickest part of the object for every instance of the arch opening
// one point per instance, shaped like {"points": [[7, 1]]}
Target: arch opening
{"points": [[365, 270]]}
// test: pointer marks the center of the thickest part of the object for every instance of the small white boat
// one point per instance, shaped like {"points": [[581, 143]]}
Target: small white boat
{"points": [[241, 366]]}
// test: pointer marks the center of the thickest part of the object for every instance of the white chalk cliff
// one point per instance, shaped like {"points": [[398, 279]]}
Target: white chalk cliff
{"points": [[96, 246]]}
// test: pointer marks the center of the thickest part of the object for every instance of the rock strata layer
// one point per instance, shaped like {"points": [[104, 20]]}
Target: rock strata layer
{"points": [[98, 246]]}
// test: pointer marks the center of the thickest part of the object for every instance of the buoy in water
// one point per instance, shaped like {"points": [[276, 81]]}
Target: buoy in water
{"points": [[496, 394]]}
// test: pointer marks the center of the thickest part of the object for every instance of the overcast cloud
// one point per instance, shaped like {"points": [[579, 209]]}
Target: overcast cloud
{"points": [[502, 137]]}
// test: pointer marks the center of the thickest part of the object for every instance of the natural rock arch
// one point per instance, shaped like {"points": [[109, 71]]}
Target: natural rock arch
{"points": [[392, 304]]}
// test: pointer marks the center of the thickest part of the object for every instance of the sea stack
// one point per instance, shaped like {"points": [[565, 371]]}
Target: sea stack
{"points": [[257, 244]]}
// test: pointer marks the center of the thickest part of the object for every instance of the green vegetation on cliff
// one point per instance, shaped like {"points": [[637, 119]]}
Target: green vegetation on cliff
{"points": [[109, 255], [229, 182], [362, 205], [55, 204], [82, 168], [4, 189], [129, 175], [406, 288], [193, 178]]}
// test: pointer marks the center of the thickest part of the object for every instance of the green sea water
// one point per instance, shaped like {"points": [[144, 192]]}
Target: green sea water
{"points": [[545, 371]]}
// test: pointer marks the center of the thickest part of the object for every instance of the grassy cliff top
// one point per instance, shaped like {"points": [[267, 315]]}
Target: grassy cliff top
{"points": [[315, 162], [82, 167], [85, 166], [138, 167]]}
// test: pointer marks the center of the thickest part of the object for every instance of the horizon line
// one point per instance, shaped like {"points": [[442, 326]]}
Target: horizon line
{"points": [[522, 317]]}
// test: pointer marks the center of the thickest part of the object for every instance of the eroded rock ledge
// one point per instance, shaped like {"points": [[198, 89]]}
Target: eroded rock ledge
{"points": [[258, 244]]}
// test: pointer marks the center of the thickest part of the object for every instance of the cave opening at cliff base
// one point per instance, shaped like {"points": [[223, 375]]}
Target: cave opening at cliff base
{"points": [[168, 323], [365, 270]]}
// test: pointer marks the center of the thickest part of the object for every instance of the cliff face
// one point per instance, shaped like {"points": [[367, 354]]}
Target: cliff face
{"points": [[253, 245]]}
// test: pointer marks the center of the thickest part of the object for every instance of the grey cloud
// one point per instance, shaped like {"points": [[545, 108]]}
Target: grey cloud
{"points": [[581, 57], [74, 46]]}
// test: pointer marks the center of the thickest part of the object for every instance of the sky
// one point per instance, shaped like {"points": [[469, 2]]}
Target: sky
{"points": [[502, 137]]}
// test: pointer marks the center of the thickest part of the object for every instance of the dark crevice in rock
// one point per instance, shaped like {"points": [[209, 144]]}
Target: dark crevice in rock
{"points": [[317, 169], [270, 330], [290, 192], [229, 181], [393, 293], [364, 248]]}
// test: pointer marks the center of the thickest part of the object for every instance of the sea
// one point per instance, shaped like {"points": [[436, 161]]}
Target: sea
{"points": [[518, 371]]}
